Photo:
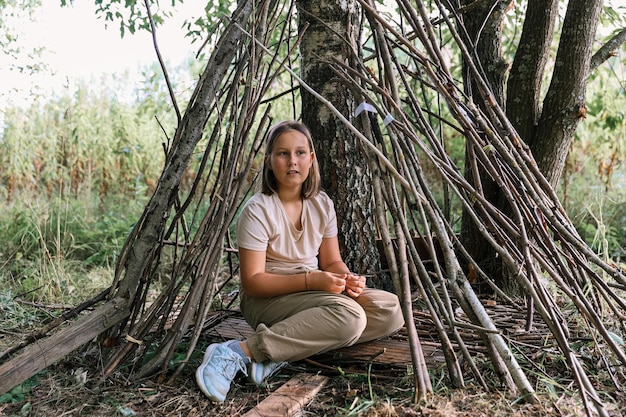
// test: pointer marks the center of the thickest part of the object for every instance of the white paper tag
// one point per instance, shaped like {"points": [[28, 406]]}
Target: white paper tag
{"points": [[364, 107]]}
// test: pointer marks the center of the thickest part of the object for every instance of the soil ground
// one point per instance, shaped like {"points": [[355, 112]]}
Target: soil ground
{"points": [[72, 387], [68, 390]]}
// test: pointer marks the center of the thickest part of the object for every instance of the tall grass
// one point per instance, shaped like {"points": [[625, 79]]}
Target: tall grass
{"points": [[80, 143], [52, 248], [75, 173], [594, 182]]}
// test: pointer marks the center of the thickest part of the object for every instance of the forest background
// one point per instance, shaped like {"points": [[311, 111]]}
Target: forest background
{"points": [[78, 167], [78, 164]]}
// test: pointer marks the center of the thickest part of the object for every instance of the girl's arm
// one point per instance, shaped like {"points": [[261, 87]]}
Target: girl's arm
{"points": [[330, 256], [334, 277], [259, 284], [256, 282], [330, 260]]}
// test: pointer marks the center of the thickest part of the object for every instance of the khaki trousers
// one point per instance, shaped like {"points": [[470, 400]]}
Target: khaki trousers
{"points": [[295, 326]]}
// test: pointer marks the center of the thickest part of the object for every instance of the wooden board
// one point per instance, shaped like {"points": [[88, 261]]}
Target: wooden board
{"points": [[45, 352], [388, 351], [290, 397]]}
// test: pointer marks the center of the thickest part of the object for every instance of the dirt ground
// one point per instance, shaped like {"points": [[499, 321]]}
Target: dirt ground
{"points": [[72, 388]]}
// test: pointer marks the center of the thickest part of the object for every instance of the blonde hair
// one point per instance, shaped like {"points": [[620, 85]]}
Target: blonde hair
{"points": [[312, 184]]}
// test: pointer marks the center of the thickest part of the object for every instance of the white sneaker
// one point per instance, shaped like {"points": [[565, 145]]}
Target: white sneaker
{"points": [[260, 371], [218, 369]]}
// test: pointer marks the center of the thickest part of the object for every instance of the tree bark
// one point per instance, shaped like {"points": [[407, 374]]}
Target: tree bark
{"points": [[483, 24], [523, 97], [332, 34], [548, 128], [564, 104]]}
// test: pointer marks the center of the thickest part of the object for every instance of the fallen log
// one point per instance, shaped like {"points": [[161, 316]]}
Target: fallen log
{"points": [[45, 352]]}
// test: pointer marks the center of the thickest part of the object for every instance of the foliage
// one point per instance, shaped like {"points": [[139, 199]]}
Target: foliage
{"points": [[613, 14], [82, 141], [208, 22], [17, 56], [593, 182], [75, 173], [130, 14], [62, 250]]}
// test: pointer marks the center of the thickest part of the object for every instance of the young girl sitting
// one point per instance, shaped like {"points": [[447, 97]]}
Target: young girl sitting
{"points": [[297, 292]]}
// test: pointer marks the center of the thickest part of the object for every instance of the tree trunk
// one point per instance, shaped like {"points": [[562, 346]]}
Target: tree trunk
{"points": [[483, 23], [564, 104], [523, 97], [547, 127], [332, 34]]}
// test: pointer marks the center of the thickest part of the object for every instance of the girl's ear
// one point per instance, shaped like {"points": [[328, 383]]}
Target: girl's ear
{"points": [[312, 158]]}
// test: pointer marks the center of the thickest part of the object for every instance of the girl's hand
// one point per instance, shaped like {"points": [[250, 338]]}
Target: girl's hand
{"points": [[355, 284], [327, 281]]}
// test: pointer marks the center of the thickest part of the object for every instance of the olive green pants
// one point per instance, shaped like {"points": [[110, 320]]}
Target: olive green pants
{"points": [[295, 326]]}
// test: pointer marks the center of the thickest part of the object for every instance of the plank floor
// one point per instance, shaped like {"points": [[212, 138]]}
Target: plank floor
{"points": [[385, 357]]}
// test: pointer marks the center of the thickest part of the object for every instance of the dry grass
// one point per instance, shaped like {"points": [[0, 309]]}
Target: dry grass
{"points": [[61, 392], [72, 388]]}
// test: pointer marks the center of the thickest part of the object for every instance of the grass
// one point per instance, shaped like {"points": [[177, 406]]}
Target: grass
{"points": [[62, 252], [59, 253], [72, 387]]}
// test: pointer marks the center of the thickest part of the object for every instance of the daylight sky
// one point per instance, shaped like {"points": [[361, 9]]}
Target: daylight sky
{"points": [[78, 44]]}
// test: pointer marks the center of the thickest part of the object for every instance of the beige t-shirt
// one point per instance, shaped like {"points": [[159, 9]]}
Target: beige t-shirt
{"points": [[263, 225]]}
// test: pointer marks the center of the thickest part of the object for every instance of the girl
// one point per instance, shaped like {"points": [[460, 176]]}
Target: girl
{"points": [[297, 292]]}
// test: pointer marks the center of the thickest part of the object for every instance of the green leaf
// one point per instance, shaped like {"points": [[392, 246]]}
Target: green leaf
{"points": [[617, 339]]}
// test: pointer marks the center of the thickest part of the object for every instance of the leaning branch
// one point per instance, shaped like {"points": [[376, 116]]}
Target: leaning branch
{"points": [[607, 50]]}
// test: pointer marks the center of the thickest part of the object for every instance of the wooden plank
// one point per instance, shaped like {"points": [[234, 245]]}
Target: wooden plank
{"points": [[45, 352], [383, 351], [290, 397]]}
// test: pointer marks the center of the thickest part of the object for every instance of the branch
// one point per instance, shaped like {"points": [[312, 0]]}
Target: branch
{"points": [[161, 63], [49, 350], [608, 49]]}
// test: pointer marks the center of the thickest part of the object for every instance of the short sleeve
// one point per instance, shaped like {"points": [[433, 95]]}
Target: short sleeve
{"points": [[251, 229], [331, 229]]}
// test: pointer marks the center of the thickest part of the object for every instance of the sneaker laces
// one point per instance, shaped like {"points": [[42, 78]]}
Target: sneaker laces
{"points": [[231, 364]]}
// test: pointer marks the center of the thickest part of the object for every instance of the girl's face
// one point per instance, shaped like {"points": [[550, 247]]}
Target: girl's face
{"points": [[291, 159]]}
